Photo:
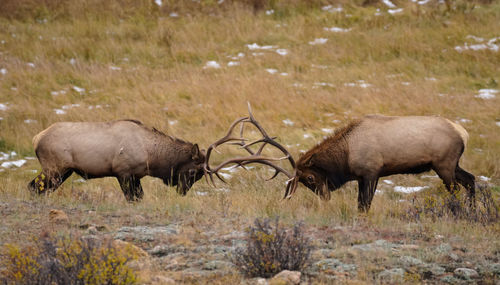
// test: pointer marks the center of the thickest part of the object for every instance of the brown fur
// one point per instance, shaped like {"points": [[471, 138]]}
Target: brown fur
{"points": [[125, 149], [377, 146]]}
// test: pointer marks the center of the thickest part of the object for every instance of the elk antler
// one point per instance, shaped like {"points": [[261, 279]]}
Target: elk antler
{"points": [[254, 157]]}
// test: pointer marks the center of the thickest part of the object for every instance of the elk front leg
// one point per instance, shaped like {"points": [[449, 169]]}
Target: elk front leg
{"points": [[367, 188], [131, 187]]}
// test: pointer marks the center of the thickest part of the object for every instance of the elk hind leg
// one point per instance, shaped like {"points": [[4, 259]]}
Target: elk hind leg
{"points": [[467, 180], [48, 182]]}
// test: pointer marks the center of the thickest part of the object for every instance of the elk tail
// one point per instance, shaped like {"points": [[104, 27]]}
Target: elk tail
{"points": [[461, 131], [38, 137]]}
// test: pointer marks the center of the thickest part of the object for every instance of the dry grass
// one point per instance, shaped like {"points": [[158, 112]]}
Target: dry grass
{"points": [[136, 61]]}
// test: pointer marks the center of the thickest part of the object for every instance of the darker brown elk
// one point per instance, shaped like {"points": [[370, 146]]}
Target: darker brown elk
{"points": [[373, 147], [378, 146], [125, 149]]}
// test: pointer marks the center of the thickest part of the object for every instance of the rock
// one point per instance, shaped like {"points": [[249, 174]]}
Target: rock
{"points": [[164, 250], [376, 245], [160, 279], [443, 248], [333, 266], [465, 273], [144, 233], [494, 268], [322, 253], [238, 243], [286, 277], [128, 249], [391, 275], [217, 264], [92, 230], [449, 279], [258, 281], [431, 270], [222, 249], [58, 217], [408, 261]]}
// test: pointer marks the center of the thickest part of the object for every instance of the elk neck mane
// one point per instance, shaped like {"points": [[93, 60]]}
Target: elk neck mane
{"points": [[337, 138]]}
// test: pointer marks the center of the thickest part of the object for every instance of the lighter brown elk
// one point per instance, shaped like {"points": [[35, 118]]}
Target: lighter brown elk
{"points": [[125, 149]]}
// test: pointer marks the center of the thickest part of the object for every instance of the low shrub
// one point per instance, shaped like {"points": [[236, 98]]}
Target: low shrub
{"points": [[65, 261], [271, 249], [456, 206]]}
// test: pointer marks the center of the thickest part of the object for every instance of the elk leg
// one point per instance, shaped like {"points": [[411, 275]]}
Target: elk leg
{"points": [[130, 186], [138, 193], [468, 181], [448, 177], [365, 194], [48, 182]]}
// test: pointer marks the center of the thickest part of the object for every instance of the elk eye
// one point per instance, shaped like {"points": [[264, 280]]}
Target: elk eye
{"points": [[310, 179]]}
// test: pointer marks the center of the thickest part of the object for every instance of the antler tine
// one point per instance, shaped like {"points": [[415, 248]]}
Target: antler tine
{"points": [[228, 137], [268, 139], [254, 157]]}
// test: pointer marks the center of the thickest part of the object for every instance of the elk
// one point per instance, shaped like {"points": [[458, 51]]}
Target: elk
{"points": [[125, 149], [366, 149]]}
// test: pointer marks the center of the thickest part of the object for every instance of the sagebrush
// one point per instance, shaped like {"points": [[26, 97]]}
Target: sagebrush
{"points": [[65, 260], [271, 249]]}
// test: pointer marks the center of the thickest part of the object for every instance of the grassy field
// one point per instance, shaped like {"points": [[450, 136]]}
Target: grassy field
{"points": [[189, 68]]}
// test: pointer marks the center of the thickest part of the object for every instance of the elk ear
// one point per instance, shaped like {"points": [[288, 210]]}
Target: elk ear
{"points": [[195, 152], [309, 162]]}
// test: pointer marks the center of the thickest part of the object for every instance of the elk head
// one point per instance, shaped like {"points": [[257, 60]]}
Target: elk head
{"points": [[191, 171], [309, 173]]}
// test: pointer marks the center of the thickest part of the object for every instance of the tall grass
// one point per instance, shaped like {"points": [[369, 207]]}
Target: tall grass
{"points": [[137, 61]]}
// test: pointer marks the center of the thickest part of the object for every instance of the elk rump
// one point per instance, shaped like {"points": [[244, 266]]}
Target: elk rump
{"points": [[125, 149], [377, 146]]}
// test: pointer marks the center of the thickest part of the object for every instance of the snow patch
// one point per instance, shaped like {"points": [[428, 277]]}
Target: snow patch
{"points": [[389, 4], [288, 122], [29, 121], [270, 12], [322, 84], [3, 71], [395, 11], [490, 45], [78, 89], [336, 30], [318, 41], [159, 2], [487, 94], [387, 181], [271, 70], [327, 130], [282, 51], [255, 46], [331, 9], [3, 107], [484, 178], [359, 83], [212, 64], [16, 163], [233, 63], [407, 190]]}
